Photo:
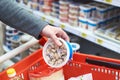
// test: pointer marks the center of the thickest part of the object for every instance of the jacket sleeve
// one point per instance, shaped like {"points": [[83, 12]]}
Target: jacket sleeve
{"points": [[14, 15]]}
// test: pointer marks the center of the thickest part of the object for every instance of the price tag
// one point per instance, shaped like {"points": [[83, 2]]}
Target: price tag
{"points": [[84, 35], [62, 26], [51, 22], [99, 41], [43, 18], [109, 1]]}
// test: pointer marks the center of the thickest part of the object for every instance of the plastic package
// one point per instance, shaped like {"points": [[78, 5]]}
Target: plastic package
{"points": [[48, 2], [64, 3], [102, 12], [73, 20], [46, 73], [55, 10], [74, 12], [34, 5], [83, 23], [54, 14], [85, 11], [62, 8], [56, 56], [112, 32], [46, 9], [55, 5], [92, 24], [64, 14], [15, 40], [63, 19], [93, 9], [74, 6]]}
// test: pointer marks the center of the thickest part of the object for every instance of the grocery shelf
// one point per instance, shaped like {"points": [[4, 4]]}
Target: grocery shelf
{"points": [[88, 35], [111, 2]]}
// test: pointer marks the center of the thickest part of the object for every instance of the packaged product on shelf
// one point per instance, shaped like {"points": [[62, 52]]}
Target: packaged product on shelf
{"points": [[85, 11], [93, 9], [73, 20], [101, 30], [92, 24], [48, 2], [83, 23], [12, 74], [74, 12], [34, 5], [102, 23], [64, 14], [62, 8], [74, 7], [111, 11], [112, 32], [23, 1], [55, 10], [102, 12], [56, 5], [55, 15], [64, 3], [63, 19], [34, 1], [46, 73], [46, 9], [117, 37], [8, 44], [73, 23], [15, 41]]}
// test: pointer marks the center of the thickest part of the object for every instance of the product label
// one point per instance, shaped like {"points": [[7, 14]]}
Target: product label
{"points": [[43, 18], [99, 41], [84, 35], [109, 1], [62, 26], [51, 22]]}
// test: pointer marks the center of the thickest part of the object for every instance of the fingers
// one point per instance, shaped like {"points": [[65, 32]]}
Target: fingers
{"points": [[54, 33], [65, 36], [56, 40]]}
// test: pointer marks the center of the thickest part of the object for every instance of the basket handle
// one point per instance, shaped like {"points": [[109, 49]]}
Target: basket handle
{"points": [[43, 40], [21, 48], [103, 63]]}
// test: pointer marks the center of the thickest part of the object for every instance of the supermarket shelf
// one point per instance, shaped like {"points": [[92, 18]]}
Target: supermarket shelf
{"points": [[80, 32], [111, 2]]}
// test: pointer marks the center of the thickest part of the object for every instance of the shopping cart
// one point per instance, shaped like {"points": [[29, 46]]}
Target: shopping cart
{"points": [[101, 68]]}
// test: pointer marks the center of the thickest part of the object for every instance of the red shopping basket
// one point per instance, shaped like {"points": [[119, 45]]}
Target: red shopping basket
{"points": [[101, 68]]}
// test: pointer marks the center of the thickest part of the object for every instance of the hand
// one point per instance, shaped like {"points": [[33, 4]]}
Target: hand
{"points": [[54, 33]]}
